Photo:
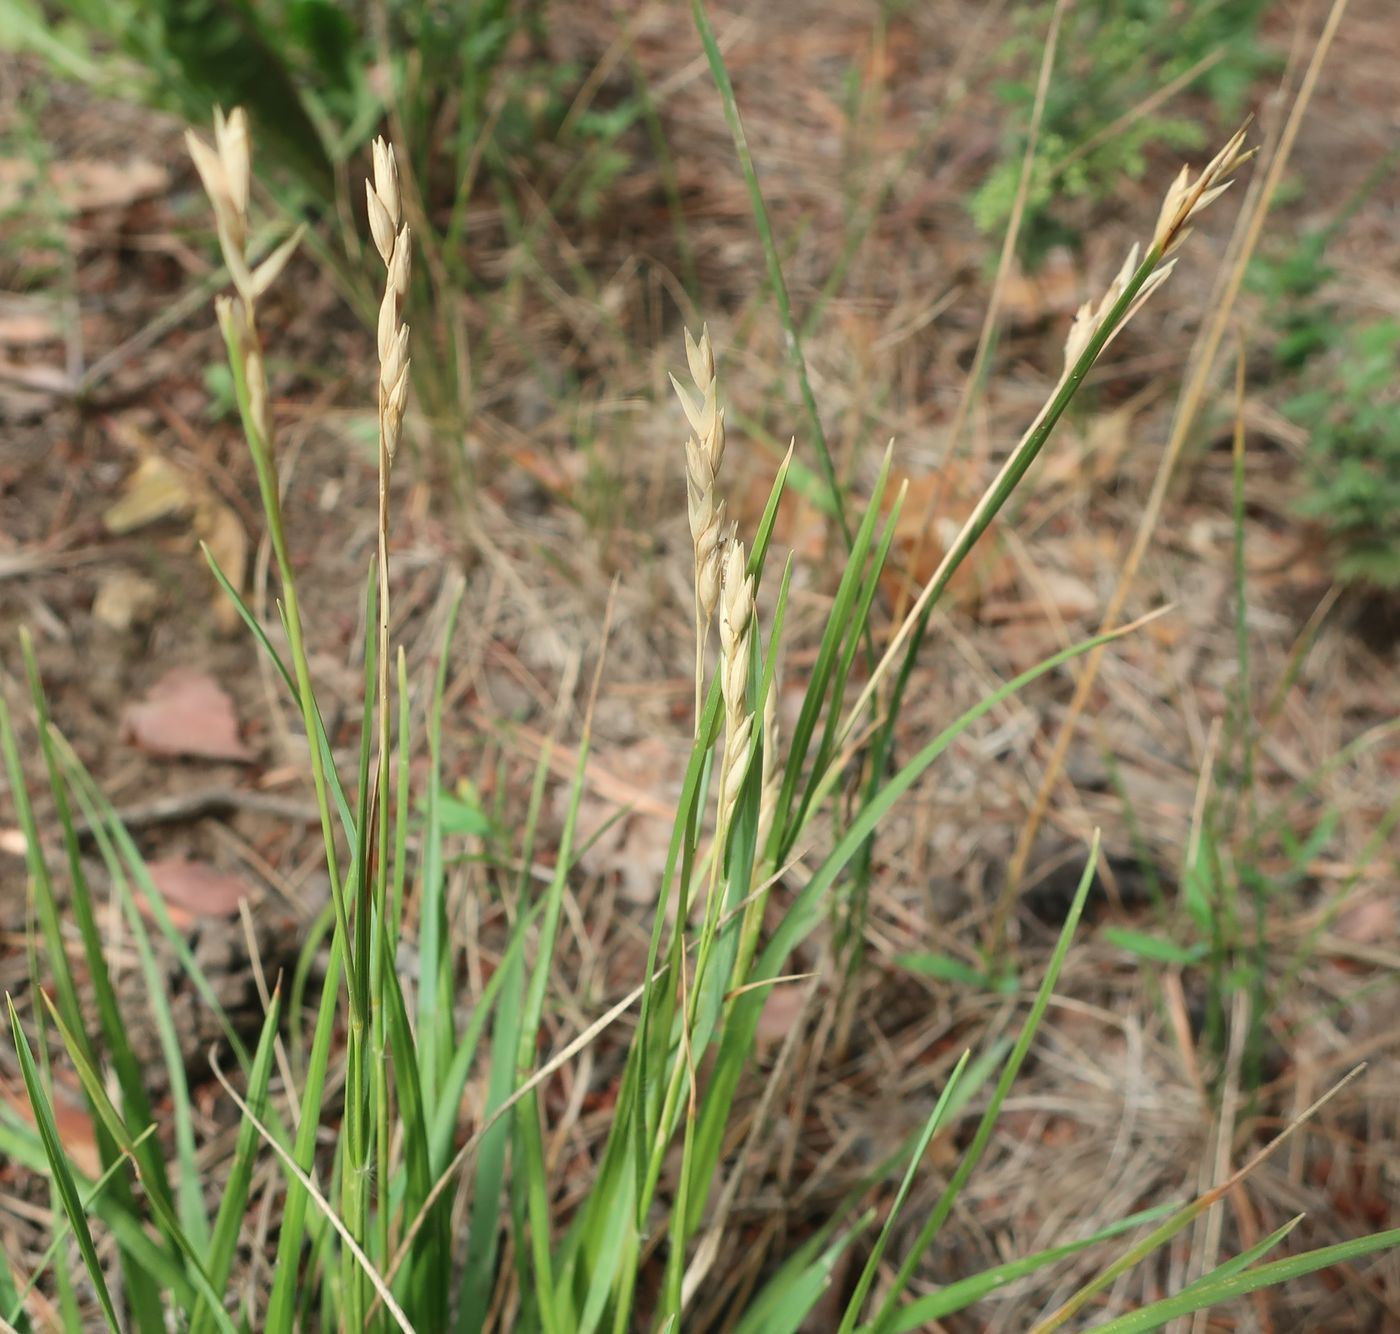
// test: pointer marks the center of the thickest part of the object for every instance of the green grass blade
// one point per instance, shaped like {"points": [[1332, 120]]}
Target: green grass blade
{"points": [[234, 1201], [165, 1216], [973, 1154], [58, 1166], [46, 900], [867, 1277], [260, 635], [807, 909], [527, 1119], [787, 1300], [764, 228], [12, 1300], [21, 1145], [435, 1037], [109, 832], [921, 1313], [479, 1274], [114, 1032], [190, 1196], [838, 627], [281, 1308], [1210, 1292], [190, 1192]]}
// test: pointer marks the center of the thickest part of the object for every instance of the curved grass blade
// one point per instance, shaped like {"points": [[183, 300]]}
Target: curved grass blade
{"points": [[883, 1321], [867, 1277], [58, 1166], [234, 1202], [920, 1314], [806, 910], [1211, 1291], [164, 1214], [787, 1300], [763, 226]]}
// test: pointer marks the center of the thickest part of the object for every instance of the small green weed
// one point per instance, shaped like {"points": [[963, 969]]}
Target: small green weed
{"points": [[1099, 123], [1351, 412]]}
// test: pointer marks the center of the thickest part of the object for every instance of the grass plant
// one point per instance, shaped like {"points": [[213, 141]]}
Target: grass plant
{"points": [[403, 1132]]}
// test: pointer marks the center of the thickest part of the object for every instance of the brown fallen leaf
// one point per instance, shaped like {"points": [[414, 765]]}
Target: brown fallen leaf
{"points": [[124, 599], [26, 323], [934, 510], [75, 1130], [83, 185], [156, 489], [193, 891], [222, 531], [186, 713], [626, 812]]}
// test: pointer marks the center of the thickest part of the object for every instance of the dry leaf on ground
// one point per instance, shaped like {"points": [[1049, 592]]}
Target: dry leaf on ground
{"points": [[935, 508], [75, 1129], [156, 489], [193, 890], [82, 185], [626, 829], [124, 600], [28, 323], [186, 713]]}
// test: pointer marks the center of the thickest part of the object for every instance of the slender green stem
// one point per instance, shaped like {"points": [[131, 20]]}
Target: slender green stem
{"points": [[791, 334]]}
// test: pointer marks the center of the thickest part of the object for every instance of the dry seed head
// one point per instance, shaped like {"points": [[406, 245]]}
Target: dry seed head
{"points": [[735, 628], [709, 558], [386, 177], [704, 452], [394, 243], [231, 139], [770, 780], [212, 175], [401, 264], [736, 764], [393, 360], [701, 358], [1090, 317], [383, 201], [1186, 198], [381, 225]]}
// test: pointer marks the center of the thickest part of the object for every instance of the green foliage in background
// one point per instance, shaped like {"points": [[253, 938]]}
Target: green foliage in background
{"points": [[1115, 54], [1351, 412], [1347, 374]]}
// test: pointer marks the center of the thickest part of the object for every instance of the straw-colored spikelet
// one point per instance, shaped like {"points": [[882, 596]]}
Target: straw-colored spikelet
{"points": [[1186, 198], [226, 173], [704, 452], [393, 243], [1090, 316], [225, 170], [736, 618], [770, 775]]}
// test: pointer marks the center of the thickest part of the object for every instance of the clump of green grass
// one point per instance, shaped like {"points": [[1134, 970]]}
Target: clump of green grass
{"points": [[371, 1233]]}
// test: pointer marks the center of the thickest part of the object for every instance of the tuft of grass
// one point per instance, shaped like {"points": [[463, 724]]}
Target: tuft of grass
{"points": [[357, 1130]]}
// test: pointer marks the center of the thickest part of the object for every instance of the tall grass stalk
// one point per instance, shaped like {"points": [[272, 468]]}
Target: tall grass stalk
{"points": [[1249, 228], [369, 1236]]}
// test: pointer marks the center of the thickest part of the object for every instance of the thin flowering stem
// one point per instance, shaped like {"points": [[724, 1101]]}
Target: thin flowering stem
{"points": [[704, 452]]}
